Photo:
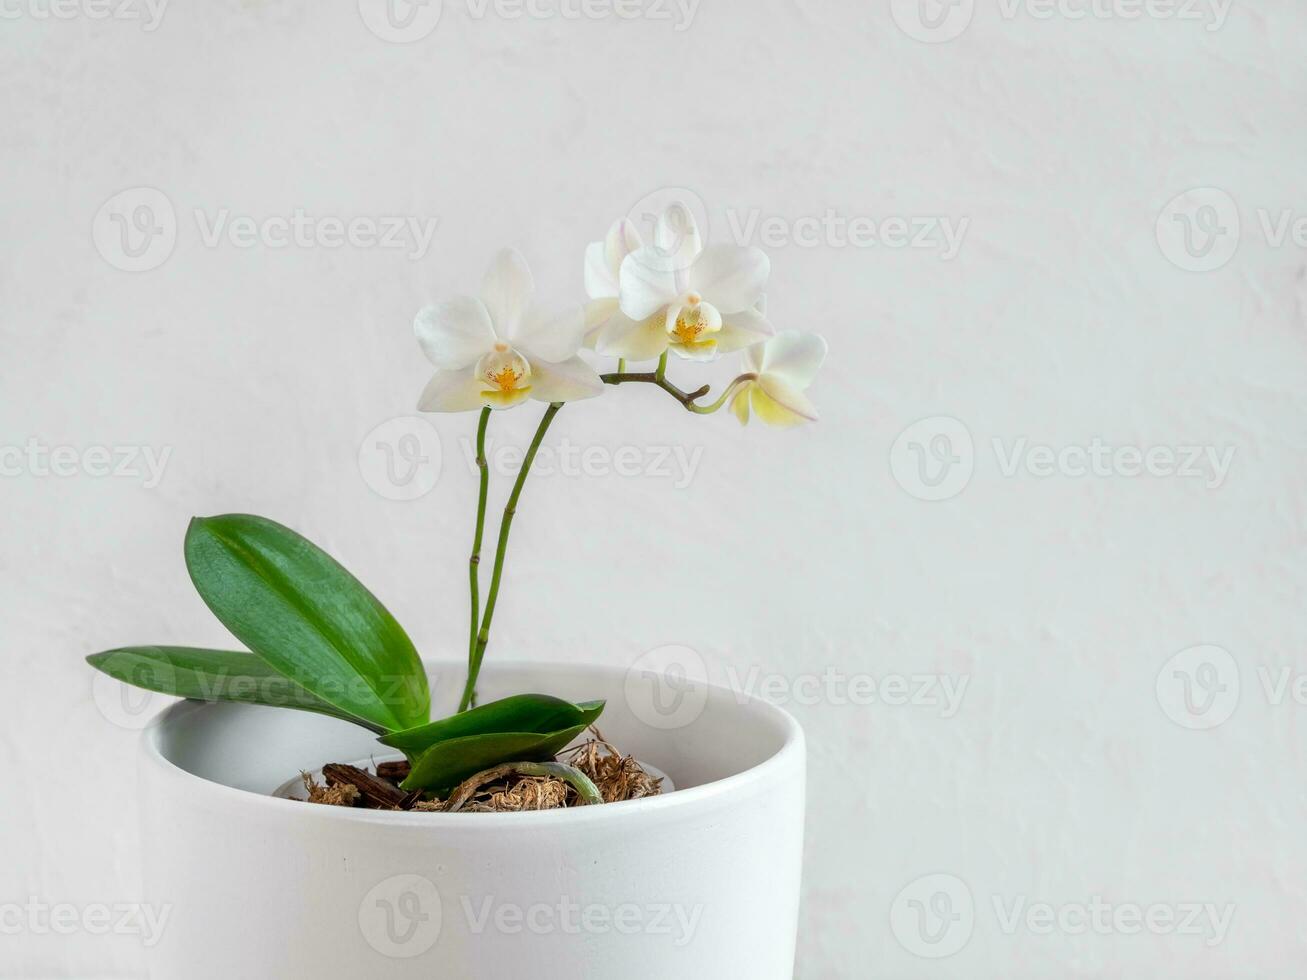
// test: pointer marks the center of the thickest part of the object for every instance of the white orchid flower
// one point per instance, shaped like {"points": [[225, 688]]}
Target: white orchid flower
{"points": [[499, 350], [782, 368], [676, 294], [603, 264]]}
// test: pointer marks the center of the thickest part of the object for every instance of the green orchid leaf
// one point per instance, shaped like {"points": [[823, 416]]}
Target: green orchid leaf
{"points": [[211, 675], [308, 618], [446, 764], [521, 713]]}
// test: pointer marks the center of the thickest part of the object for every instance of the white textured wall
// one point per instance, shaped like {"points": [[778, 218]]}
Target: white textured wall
{"points": [[1065, 320]]}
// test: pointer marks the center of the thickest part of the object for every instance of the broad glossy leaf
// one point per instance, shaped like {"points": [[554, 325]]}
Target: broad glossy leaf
{"points": [[307, 617], [211, 675], [520, 713], [448, 763]]}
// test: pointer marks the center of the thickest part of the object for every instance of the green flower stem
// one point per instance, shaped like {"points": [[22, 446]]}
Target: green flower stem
{"points": [[474, 563], [661, 371], [621, 365], [726, 396], [478, 654]]}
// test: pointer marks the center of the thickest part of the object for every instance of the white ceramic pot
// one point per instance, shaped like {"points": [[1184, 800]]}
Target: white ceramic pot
{"points": [[702, 882]]}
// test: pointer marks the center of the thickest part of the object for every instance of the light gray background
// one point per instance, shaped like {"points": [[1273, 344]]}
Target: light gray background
{"points": [[1074, 313]]}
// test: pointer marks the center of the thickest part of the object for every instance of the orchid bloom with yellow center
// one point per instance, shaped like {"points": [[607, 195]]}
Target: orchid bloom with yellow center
{"points": [[499, 350], [778, 372], [678, 295]]}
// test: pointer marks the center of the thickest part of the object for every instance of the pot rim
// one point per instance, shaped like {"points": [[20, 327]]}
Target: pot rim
{"points": [[793, 746]]}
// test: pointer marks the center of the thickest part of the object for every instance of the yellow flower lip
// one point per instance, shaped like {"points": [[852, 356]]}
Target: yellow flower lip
{"points": [[505, 399]]}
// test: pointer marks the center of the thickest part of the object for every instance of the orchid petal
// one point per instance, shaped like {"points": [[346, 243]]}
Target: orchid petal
{"points": [[506, 399], [743, 329], [778, 403], [566, 381], [702, 351], [731, 277], [598, 311], [635, 340], [454, 333], [451, 391], [793, 357], [740, 403], [507, 290], [553, 337], [600, 278], [647, 283]]}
